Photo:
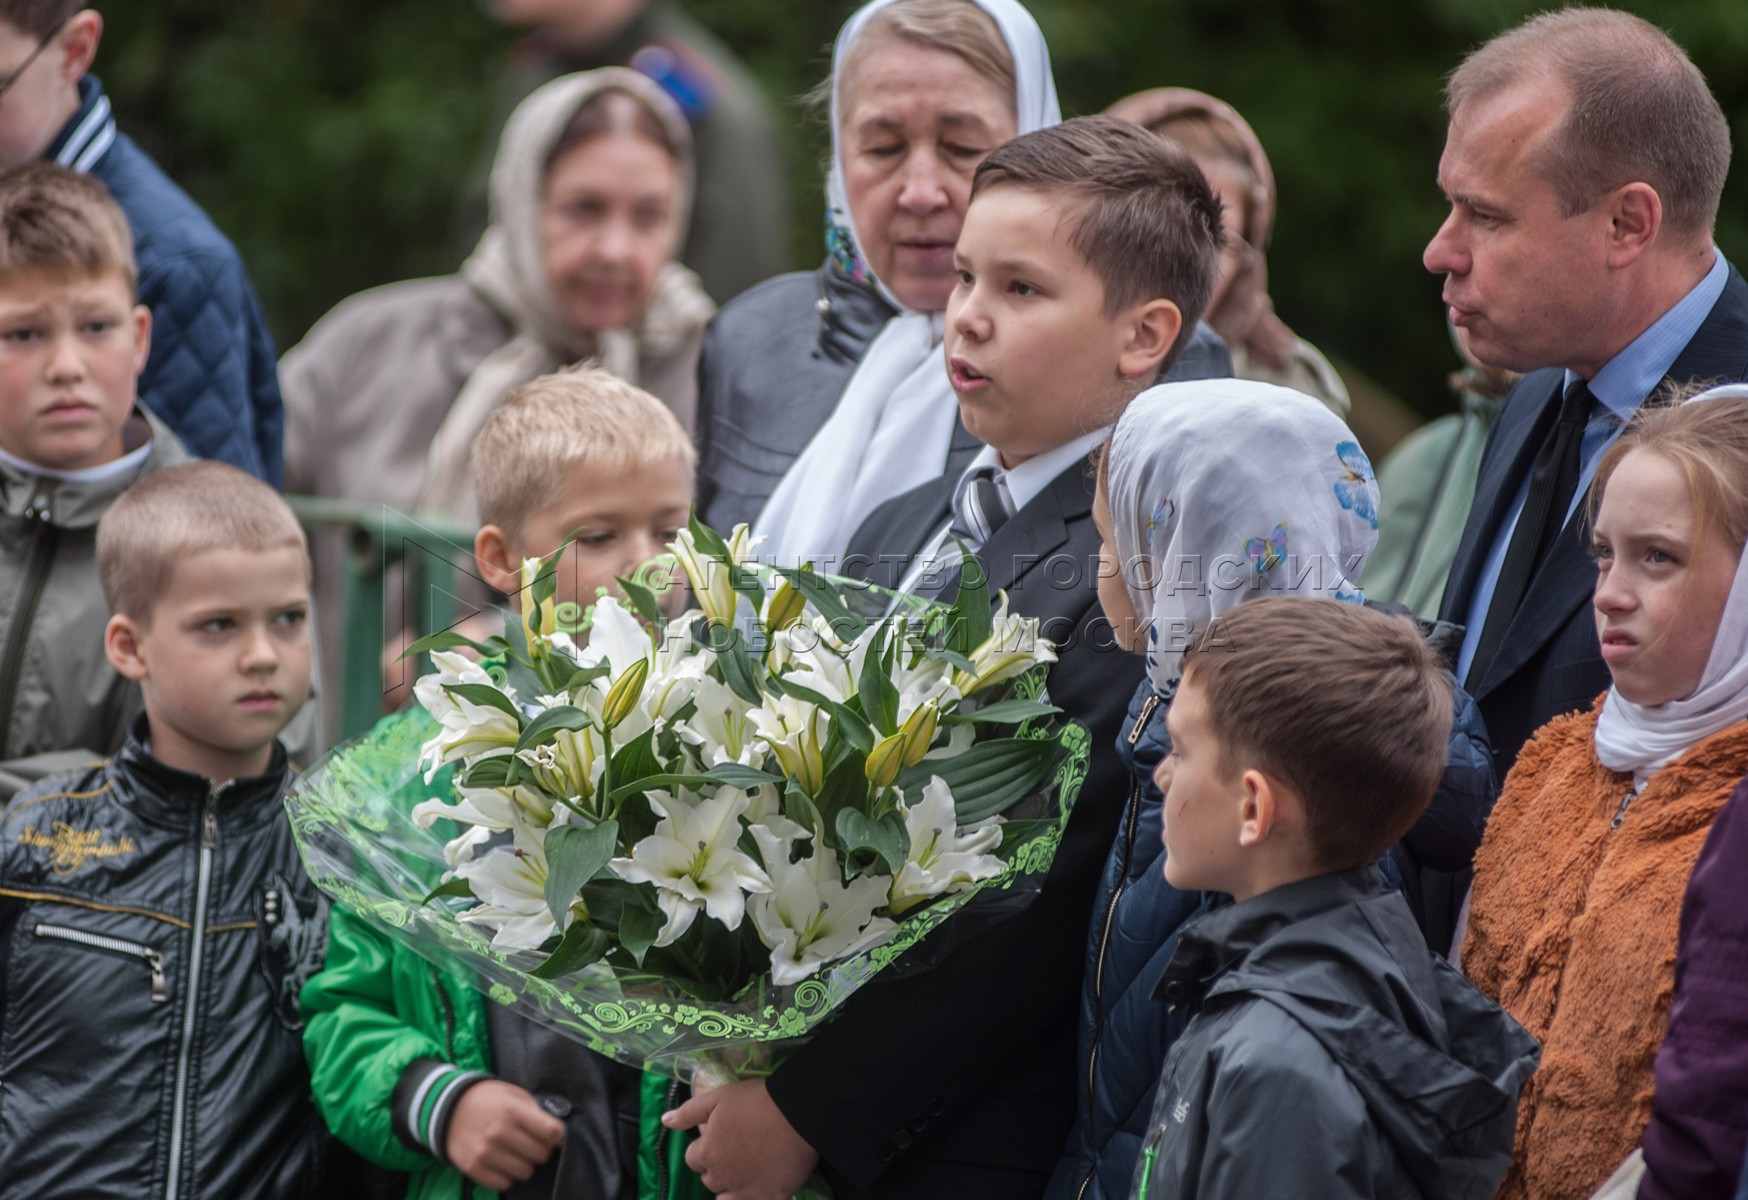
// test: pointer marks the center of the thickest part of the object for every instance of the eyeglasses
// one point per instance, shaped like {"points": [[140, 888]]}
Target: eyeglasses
{"points": [[6, 84]]}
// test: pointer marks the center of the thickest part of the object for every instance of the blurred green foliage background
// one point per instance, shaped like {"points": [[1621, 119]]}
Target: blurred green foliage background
{"points": [[332, 139]]}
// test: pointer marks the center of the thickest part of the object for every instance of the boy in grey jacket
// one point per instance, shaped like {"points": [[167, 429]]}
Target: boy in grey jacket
{"points": [[1333, 1055]]}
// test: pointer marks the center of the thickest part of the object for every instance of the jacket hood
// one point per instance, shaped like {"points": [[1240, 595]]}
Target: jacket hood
{"points": [[1437, 1063], [75, 504]]}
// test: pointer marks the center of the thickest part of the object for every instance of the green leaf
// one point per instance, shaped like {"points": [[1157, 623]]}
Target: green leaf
{"points": [[574, 856], [452, 887], [798, 808], [875, 688], [989, 778], [638, 929], [1004, 712], [634, 765], [493, 772], [845, 622], [708, 541], [519, 659], [643, 599], [845, 720], [736, 663], [445, 639], [545, 584], [581, 945], [564, 716], [582, 676], [972, 621], [860, 835], [486, 694], [650, 783], [846, 786], [738, 775]]}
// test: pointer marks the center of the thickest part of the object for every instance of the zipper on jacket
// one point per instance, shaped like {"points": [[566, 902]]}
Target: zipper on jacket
{"points": [[97, 941], [209, 834], [36, 578], [1149, 1156], [662, 1189], [1098, 978], [1620, 814], [448, 1013]]}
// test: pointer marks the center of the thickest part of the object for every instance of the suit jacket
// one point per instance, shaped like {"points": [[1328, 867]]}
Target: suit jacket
{"points": [[958, 1080], [1550, 662]]}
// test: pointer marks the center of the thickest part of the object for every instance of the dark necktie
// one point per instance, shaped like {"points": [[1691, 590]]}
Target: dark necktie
{"points": [[1553, 481], [981, 505]]}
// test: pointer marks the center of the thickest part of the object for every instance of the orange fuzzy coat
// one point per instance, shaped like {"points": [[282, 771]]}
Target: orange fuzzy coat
{"points": [[1572, 929]]}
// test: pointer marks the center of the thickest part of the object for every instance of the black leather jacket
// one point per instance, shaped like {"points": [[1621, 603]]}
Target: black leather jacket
{"points": [[154, 934]]}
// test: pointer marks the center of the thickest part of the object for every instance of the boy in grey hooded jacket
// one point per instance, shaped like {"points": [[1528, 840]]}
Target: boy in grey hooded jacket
{"points": [[1334, 1055]]}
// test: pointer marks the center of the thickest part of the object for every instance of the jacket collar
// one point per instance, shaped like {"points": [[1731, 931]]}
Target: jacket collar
{"points": [[169, 797], [89, 133], [850, 315], [78, 504], [1215, 944]]}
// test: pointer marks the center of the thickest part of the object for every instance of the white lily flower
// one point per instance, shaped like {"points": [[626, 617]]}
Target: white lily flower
{"points": [[570, 765], [721, 729], [511, 888], [811, 918], [460, 849], [489, 808], [711, 585], [795, 731], [469, 731], [452, 668], [692, 860], [1013, 648], [617, 638], [942, 857]]}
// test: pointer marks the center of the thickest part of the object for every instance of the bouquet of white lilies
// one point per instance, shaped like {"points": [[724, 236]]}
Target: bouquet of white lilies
{"points": [[701, 834]]}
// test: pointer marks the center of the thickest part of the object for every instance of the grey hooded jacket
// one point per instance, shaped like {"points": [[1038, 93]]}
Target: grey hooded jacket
{"points": [[1334, 1056]]}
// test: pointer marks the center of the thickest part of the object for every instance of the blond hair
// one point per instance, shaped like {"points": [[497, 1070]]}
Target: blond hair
{"points": [[556, 425], [1707, 442], [55, 221], [180, 511], [1640, 112], [956, 26]]}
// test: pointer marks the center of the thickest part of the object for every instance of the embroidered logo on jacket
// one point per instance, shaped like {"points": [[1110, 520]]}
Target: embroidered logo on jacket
{"points": [[69, 848]]}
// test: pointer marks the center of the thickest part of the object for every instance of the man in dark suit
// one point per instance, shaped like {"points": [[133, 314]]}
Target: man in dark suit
{"points": [[957, 1081], [1584, 164]]}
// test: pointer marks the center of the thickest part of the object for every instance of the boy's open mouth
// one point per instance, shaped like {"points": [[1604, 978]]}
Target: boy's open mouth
{"points": [[965, 377]]}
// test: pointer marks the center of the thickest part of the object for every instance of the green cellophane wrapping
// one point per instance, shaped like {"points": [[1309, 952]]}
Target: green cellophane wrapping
{"points": [[350, 815]]}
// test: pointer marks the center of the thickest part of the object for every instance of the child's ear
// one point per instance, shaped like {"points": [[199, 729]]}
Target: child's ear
{"points": [[1259, 810], [498, 562], [1153, 331], [142, 323], [121, 645], [79, 38]]}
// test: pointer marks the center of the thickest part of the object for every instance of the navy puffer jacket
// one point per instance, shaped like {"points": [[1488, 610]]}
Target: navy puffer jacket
{"points": [[1124, 1032]]}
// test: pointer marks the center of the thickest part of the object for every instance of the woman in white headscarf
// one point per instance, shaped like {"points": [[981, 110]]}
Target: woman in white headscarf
{"points": [[589, 193], [796, 385], [1579, 883], [1210, 494]]}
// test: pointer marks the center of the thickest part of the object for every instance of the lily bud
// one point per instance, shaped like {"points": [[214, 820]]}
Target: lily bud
{"points": [[623, 696], [885, 760], [785, 607], [538, 619], [917, 733]]}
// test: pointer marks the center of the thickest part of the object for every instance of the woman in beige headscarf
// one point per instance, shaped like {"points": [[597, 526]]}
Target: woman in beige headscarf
{"points": [[589, 194], [1227, 150]]}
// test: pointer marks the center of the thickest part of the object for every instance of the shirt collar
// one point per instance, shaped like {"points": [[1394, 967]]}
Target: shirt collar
{"points": [[1034, 475], [89, 133], [1630, 376]]}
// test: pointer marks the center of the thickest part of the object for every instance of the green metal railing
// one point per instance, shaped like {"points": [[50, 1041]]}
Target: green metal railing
{"points": [[430, 552]]}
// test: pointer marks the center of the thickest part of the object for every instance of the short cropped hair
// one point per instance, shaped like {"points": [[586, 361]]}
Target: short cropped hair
{"points": [[549, 428], [1142, 213], [38, 18], [180, 511], [1347, 706], [1641, 111], [56, 221]]}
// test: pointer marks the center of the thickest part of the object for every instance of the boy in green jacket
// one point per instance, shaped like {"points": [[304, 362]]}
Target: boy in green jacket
{"points": [[409, 1065]]}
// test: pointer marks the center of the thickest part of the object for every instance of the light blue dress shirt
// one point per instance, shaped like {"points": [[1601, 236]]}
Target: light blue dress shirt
{"points": [[1624, 383]]}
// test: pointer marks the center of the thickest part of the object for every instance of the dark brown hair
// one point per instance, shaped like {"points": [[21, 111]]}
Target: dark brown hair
{"points": [[1347, 706], [55, 221], [1143, 215], [1641, 111], [612, 110], [38, 18]]}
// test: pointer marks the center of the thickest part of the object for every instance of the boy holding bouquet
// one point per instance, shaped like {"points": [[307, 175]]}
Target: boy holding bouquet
{"points": [[410, 1066], [1089, 251]]}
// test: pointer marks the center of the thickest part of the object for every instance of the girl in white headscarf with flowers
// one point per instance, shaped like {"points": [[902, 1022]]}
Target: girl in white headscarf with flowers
{"points": [[1578, 891], [1210, 494]]}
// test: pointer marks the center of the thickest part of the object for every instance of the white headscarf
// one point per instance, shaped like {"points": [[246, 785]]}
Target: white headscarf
{"points": [[893, 426], [1640, 738], [508, 269], [1225, 489]]}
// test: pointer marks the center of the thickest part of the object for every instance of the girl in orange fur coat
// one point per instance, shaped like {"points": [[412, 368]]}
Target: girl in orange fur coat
{"points": [[1579, 880]]}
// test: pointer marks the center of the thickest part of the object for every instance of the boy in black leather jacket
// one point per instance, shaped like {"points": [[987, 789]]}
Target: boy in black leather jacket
{"points": [[155, 922]]}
